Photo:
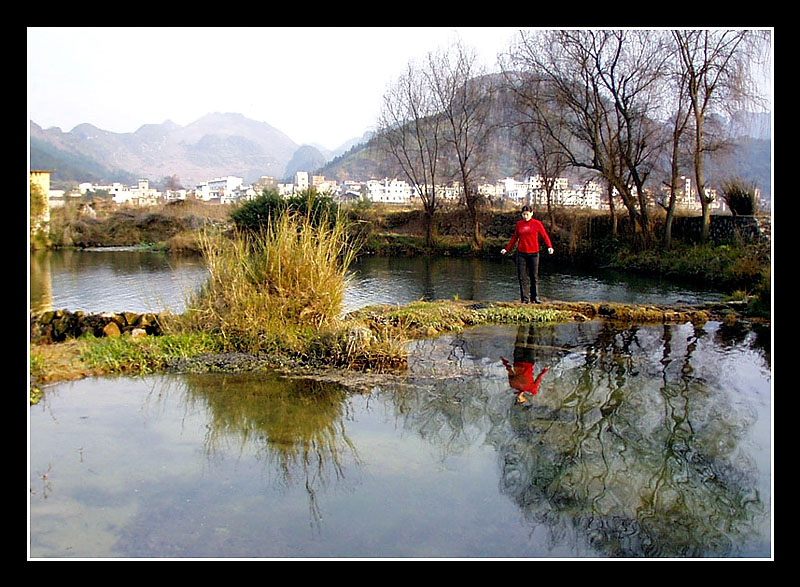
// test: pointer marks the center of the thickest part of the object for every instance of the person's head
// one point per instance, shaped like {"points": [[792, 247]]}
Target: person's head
{"points": [[526, 213]]}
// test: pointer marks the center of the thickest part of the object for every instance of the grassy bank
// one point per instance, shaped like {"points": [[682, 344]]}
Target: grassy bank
{"points": [[372, 339]]}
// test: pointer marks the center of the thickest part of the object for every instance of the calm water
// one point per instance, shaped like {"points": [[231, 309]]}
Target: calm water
{"points": [[142, 281], [641, 442]]}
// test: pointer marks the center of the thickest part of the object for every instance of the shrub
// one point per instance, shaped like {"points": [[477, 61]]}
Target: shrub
{"points": [[270, 288], [740, 197], [258, 213]]}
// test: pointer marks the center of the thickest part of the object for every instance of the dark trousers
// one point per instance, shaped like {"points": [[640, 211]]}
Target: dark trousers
{"points": [[528, 263]]}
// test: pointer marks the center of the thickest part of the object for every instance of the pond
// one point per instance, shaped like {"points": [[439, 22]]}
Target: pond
{"points": [[137, 280], [639, 442], [645, 441]]}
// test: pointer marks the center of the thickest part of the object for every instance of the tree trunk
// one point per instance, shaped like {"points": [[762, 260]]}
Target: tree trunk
{"points": [[613, 210], [698, 178]]}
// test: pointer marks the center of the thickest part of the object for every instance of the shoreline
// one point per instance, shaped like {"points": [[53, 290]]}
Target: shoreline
{"points": [[58, 362]]}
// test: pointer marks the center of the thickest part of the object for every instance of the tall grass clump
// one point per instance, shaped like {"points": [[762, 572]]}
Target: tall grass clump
{"points": [[272, 287], [740, 197]]}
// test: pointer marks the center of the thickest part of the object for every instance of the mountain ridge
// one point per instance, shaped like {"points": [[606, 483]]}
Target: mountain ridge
{"points": [[221, 144], [217, 144]]}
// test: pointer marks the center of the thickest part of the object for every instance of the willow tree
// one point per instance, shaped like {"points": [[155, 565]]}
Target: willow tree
{"points": [[410, 132]]}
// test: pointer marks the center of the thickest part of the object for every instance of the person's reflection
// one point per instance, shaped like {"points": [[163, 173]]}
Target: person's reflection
{"points": [[520, 374]]}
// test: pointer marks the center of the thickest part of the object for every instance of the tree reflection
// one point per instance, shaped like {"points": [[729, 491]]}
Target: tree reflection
{"points": [[633, 450], [296, 425], [633, 445]]}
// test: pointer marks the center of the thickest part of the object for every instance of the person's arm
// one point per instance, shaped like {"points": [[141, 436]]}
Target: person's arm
{"points": [[513, 240], [546, 239]]}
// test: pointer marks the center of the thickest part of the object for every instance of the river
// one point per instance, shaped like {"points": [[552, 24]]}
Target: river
{"points": [[641, 441], [138, 280]]}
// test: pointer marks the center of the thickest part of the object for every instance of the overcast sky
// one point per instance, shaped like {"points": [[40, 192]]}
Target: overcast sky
{"points": [[317, 85]]}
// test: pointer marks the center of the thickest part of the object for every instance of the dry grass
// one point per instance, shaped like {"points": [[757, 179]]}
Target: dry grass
{"points": [[269, 290]]}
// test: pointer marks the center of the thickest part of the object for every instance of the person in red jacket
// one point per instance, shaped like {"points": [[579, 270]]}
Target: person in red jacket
{"points": [[526, 236]]}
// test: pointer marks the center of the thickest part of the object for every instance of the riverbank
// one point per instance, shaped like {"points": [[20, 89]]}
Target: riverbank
{"points": [[736, 260], [249, 318], [364, 346]]}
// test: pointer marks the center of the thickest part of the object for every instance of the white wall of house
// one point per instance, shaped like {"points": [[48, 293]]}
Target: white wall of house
{"points": [[393, 191]]}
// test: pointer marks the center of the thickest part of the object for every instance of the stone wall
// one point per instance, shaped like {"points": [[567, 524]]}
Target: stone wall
{"points": [[59, 325], [726, 229], [723, 229]]}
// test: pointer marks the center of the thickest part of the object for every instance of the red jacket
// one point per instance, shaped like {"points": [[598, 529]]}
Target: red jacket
{"points": [[527, 234], [521, 377]]}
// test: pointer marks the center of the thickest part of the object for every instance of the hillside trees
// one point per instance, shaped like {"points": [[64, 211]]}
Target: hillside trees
{"points": [[463, 98]]}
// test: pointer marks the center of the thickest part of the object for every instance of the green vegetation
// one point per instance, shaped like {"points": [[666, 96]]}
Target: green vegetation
{"points": [[424, 319], [39, 238], [88, 356], [255, 214], [728, 266]]}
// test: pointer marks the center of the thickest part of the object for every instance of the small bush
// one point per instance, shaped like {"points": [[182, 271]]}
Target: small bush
{"points": [[258, 213], [270, 288], [740, 197]]}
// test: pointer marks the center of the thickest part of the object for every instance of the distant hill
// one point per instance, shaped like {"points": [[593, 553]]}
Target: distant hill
{"points": [[215, 145], [222, 144], [749, 157]]}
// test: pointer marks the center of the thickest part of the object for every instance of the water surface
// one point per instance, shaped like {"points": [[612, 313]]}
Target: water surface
{"points": [[640, 442], [137, 280]]}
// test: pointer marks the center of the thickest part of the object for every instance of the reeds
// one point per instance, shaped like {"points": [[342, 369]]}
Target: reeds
{"points": [[268, 289]]}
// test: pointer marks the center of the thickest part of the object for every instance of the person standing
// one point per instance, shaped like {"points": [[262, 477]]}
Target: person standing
{"points": [[526, 236]]}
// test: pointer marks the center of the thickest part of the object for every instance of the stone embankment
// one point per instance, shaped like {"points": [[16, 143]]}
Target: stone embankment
{"points": [[60, 325]]}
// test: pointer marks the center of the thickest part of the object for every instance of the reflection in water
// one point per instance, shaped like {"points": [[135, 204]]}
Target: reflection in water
{"points": [[638, 448], [631, 483], [297, 426], [641, 442], [520, 374]]}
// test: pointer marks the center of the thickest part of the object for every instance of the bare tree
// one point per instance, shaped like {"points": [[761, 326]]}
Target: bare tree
{"points": [[410, 132], [718, 69], [463, 97], [605, 82], [679, 115], [536, 125]]}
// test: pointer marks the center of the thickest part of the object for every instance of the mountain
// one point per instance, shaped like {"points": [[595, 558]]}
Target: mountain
{"points": [[306, 158], [747, 157], [222, 144], [216, 145]]}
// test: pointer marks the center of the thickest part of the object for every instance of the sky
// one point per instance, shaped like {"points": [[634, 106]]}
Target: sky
{"points": [[319, 85]]}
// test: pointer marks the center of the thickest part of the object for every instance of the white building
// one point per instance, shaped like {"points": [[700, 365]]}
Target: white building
{"points": [[218, 188], [301, 180], [394, 191]]}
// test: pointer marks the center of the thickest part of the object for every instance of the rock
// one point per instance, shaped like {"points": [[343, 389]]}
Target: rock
{"points": [[111, 329], [138, 333], [131, 318]]}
